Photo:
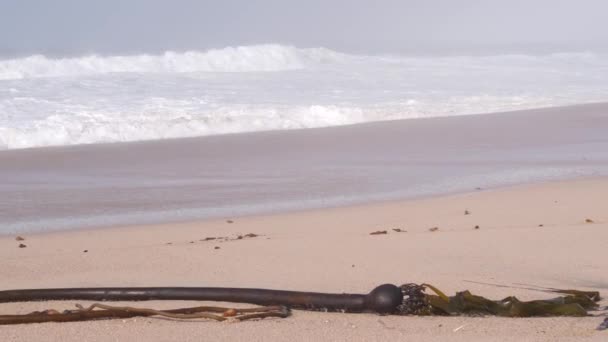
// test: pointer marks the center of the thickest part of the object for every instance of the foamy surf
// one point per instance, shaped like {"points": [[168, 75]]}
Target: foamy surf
{"points": [[231, 59], [92, 99]]}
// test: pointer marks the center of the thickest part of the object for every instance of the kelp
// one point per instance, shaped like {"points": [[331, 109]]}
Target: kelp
{"points": [[407, 299], [418, 302], [103, 311]]}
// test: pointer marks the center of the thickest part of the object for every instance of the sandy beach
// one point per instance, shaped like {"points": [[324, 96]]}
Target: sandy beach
{"points": [[337, 159], [528, 235], [142, 214]]}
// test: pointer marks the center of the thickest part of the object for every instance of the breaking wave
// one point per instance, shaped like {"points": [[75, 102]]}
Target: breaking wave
{"points": [[257, 58], [94, 99]]}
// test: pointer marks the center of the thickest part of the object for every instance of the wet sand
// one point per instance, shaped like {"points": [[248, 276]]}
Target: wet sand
{"points": [[271, 172]]}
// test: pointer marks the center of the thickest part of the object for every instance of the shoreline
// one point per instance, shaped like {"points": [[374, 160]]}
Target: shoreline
{"points": [[528, 234], [316, 211], [281, 171]]}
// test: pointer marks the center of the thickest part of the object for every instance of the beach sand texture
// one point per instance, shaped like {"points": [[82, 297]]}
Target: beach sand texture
{"points": [[532, 234]]}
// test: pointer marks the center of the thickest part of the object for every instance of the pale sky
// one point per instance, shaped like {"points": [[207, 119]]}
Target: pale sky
{"points": [[131, 26]]}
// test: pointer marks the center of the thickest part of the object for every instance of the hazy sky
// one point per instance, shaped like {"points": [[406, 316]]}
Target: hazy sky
{"points": [[128, 26]]}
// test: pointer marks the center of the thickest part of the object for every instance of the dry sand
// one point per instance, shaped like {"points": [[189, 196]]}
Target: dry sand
{"points": [[331, 250]]}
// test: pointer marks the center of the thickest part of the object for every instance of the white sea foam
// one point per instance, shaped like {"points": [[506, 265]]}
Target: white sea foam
{"points": [[45, 101], [230, 59]]}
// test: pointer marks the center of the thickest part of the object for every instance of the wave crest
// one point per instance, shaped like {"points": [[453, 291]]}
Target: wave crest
{"points": [[256, 58]]}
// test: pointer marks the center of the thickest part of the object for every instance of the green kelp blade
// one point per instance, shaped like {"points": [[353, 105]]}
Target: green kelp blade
{"points": [[588, 299], [575, 303], [549, 307]]}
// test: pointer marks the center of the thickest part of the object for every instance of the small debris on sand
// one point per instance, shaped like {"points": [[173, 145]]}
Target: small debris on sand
{"points": [[228, 238], [399, 230], [216, 247], [603, 325], [588, 220], [466, 212], [460, 327], [229, 313], [229, 221], [85, 251], [434, 229], [22, 245], [378, 232], [19, 238], [169, 243], [191, 241], [477, 227], [541, 225]]}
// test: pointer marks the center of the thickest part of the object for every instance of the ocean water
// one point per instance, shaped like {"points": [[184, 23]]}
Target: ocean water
{"points": [[91, 99]]}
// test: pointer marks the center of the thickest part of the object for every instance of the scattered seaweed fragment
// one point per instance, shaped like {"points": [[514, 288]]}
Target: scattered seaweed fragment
{"points": [[434, 229], [228, 238], [20, 238], [103, 311], [21, 245], [379, 232], [399, 230], [588, 220], [467, 212]]}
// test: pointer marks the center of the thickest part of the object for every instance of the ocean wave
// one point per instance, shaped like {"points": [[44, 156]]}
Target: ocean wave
{"points": [[256, 58], [167, 119], [97, 99], [87, 128]]}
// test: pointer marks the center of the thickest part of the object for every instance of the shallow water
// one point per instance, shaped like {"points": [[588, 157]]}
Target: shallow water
{"points": [[252, 173]]}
